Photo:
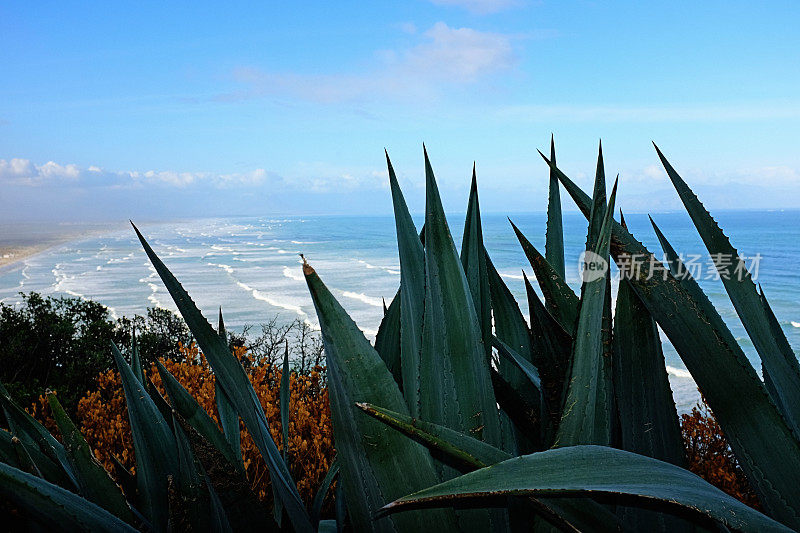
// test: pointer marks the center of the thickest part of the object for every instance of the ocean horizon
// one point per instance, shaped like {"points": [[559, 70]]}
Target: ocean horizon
{"points": [[251, 267]]}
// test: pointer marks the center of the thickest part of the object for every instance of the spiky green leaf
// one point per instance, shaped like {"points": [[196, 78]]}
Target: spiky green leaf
{"points": [[559, 298], [153, 442], [194, 414], [770, 343], [455, 385], [387, 340], [473, 260], [588, 409], [228, 417], [233, 379], [554, 237], [758, 435], [412, 293], [377, 464]]}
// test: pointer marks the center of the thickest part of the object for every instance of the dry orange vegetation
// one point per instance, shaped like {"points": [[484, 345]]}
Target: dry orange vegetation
{"points": [[103, 418], [710, 457]]}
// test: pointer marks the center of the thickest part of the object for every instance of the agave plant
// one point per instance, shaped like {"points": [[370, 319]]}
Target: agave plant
{"points": [[462, 415]]}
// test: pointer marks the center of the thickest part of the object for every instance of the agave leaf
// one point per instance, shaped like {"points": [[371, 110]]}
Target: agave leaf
{"points": [[769, 382], [387, 341], [455, 384], [241, 504], [473, 260], [468, 454], [37, 439], [551, 346], [530, 372], [126, 480], [523, 411], [377, 464], [153, 442], [412, 293], [322, 491], [54, 506], [237, 386], [188, 408], [93, 481], [596, 471], [647, 415], [8, 453], [136, 360], [559, 299], [187, 503], [219, 519], [460, 451], [757, 434], [554, 237], [24, 458], [588, 408], [509, 324], [228, 417], [277, 510], [770, 343]]}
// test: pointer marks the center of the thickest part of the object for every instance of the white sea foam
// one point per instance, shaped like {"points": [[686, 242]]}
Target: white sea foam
{"points": [[264, 297], [385, 269], [512, 276], [226, 268], [292, 273], [795, 324], [376, 302], [678, 372]]}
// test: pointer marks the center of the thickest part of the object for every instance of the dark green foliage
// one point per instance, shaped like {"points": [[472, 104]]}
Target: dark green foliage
{"points": [[54, 343]]}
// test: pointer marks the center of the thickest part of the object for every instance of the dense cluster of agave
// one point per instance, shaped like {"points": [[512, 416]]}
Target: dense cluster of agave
{"points": [[463, 415]]}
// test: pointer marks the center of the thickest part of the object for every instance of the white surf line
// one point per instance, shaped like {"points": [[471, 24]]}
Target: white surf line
{"points": [[795, 324], [379, 267], [152, 298], [293, 274], [264, 297], [369, 300], [678, 372]]}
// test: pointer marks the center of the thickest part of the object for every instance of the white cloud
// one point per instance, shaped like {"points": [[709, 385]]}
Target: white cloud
{"points": [[316, 178], [445, 56], [480, 7]]}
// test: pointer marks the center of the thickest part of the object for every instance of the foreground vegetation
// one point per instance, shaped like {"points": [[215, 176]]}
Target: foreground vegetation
{"points": [[586, 437]]}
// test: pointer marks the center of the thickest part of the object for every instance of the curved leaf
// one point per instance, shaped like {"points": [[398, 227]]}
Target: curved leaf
{"points": [[595, 471], [54, 506], [468, 454]]}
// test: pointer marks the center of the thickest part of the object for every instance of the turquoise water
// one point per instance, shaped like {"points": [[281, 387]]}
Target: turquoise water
{"points": [[251, 266]]}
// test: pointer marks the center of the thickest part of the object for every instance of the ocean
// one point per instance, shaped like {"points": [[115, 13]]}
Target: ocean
{"points": [[251, 267]]}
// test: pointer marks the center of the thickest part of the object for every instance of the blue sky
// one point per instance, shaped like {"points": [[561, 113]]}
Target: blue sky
{"points": [[140, 110]]}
